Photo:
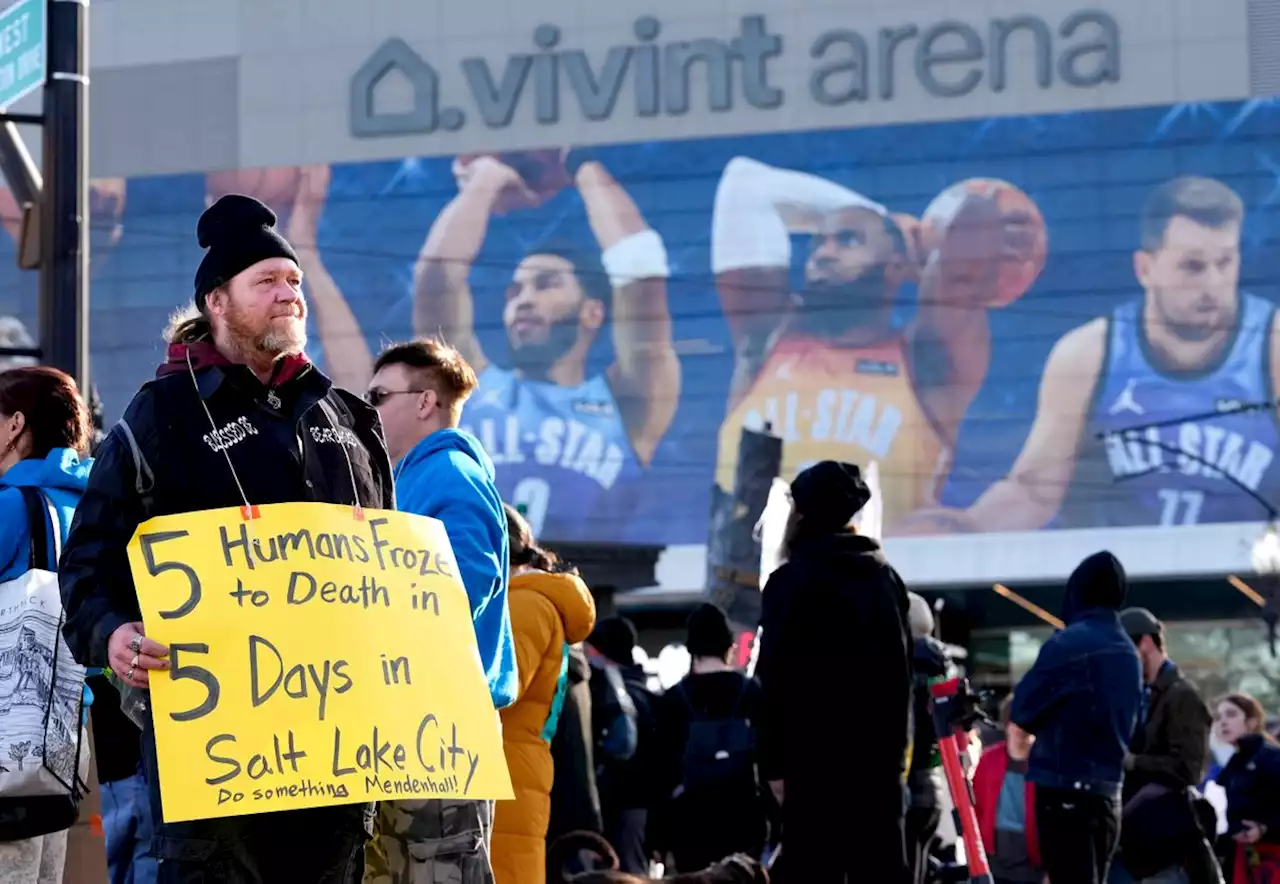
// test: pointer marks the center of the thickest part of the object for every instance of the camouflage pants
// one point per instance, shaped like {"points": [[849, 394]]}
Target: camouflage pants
{"points": [[34, 860], [431, 842]]}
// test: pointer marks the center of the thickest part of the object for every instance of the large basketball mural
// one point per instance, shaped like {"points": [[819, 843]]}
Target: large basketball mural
{"points": [[1030, 324]]}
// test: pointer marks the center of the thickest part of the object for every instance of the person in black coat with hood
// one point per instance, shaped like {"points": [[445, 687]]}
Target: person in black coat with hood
{"points": [[1082, 699], [834, 665]]}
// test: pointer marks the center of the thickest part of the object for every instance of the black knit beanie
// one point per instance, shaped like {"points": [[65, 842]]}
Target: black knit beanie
{"points": [[829, 494], [616, 638], [1098, 582], [238, 232], [709, 632]]}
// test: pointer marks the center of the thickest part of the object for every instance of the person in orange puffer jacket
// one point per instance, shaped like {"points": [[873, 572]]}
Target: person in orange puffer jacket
{"points": [[551, 609]]}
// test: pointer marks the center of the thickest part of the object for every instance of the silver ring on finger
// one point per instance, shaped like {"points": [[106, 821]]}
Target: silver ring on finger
{"points": [[135, 643], [133, 664], [128, 676]]}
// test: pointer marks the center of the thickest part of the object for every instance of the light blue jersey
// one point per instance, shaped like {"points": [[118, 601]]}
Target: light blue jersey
{"points": [[562, 453], [1165, 457]]}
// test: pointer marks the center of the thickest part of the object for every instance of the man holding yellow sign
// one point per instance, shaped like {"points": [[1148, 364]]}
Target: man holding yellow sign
{"points": [[292, 624], [276, 714]]}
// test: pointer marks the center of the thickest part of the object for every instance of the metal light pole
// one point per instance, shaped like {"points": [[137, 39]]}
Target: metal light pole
{"points": [[55, 204], [64, 235]]}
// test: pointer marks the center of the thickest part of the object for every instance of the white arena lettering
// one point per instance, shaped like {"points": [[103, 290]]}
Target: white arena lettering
{"points": [[1191, 449], [845, 417], [555, 442]]}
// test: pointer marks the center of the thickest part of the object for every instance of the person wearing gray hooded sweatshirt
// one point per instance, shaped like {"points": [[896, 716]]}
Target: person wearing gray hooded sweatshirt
{"points": [[1082, 700]]}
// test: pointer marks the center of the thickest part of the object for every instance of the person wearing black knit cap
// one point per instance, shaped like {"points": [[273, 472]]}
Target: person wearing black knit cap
{"points": [[236, 416], [1082, 700], [261, 320], [834, 664], [706, 756]]}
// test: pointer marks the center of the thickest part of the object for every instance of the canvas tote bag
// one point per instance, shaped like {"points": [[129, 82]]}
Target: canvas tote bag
{"points": [[44, 757]]}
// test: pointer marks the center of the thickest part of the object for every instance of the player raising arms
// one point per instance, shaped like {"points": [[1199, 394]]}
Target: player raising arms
{"points": [[569, 447], [825, 366], [1126, 432]]}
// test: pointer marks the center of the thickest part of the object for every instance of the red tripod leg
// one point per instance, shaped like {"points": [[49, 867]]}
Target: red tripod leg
{"points": [[953, 740]]}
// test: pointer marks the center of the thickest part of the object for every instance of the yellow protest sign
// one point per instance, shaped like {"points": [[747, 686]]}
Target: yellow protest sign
{"points": [[320, 656]]}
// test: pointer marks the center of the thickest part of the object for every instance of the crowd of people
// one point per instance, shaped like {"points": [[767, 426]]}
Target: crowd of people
{"points": [[807, 770], [1105, 771]]}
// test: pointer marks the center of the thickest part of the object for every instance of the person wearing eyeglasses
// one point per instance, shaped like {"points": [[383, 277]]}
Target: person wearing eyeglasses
{"points": [[419, 389]]}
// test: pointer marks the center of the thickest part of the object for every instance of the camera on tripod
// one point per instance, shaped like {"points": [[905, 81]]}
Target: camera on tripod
{"points": [[957, 707]]}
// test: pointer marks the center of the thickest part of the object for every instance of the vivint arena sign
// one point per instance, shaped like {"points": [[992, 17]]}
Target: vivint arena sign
{"points": [[649, 77]]}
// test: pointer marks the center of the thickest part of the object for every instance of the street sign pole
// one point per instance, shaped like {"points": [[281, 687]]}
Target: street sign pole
{"points": [[45, 43], [64, 216]]}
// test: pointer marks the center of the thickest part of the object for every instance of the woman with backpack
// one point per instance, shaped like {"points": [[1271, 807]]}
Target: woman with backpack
{"points": [[706, 736], [551, 609], [44, 435]]}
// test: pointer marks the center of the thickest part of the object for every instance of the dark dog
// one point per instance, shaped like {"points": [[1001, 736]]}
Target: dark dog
{"points": [[737, 869]]}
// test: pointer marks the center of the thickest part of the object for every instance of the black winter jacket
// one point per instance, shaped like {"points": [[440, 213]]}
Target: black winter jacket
{"points": [[575, 800], [835, 666], [169, 454], [1252, 782], [632, 784]]}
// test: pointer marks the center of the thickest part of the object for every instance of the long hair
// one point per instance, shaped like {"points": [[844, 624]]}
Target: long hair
{"points": [[524, 549], [55, 412], [1252, 709], [187, 325]]}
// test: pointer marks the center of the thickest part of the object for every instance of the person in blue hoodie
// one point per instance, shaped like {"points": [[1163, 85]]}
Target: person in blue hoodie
{"points": [[44, 432], [1082, 700], [419, 389]]}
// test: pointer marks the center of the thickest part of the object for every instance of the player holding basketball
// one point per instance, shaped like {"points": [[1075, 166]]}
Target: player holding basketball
{"points": [[569, 447], [1193, 344], [825, 367]]}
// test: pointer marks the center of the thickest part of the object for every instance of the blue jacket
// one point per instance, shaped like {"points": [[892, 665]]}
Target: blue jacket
{"points": [[62, 475], [447, 476], [1083, 696]]}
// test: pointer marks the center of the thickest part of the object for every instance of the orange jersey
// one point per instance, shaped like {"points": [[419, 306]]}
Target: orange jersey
{"points": [[854, 404]]}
